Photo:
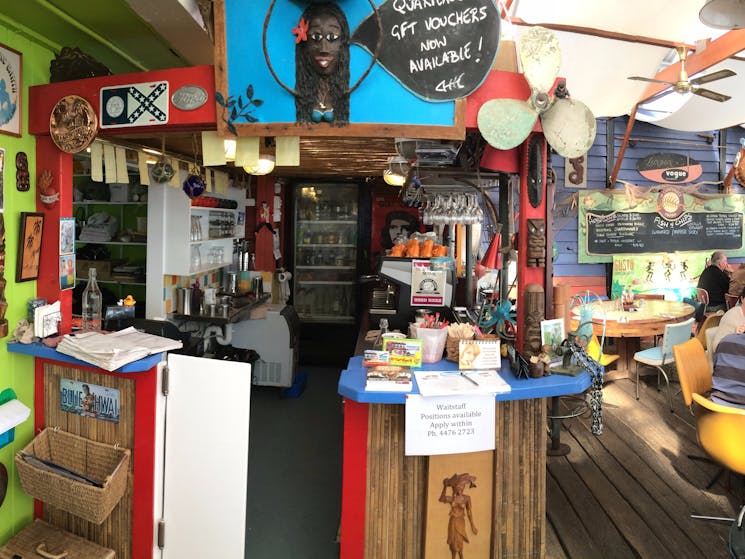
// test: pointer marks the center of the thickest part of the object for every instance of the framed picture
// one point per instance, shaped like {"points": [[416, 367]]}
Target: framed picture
{"points": [[10, 91], [67, 235], [552, 334], [29, 246]]}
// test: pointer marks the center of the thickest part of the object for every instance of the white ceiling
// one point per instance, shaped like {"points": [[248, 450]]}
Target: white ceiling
{"points": [[597, 67]]}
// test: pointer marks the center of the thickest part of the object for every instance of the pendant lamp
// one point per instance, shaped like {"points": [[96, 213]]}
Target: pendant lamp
{"points": [[723, 14]]}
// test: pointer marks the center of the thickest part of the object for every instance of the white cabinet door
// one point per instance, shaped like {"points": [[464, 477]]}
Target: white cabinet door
{"points": [[206, 458]]}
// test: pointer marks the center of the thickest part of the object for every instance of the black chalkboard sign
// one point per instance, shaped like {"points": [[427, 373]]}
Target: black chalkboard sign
{"points": [[439, 50], [637, 232]]}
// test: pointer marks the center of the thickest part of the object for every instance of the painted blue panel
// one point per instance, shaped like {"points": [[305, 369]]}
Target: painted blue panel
{"points": [[352, 384], [379, 99]]}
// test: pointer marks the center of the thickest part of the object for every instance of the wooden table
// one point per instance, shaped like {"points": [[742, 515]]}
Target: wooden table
{"points": [[648, 318]]}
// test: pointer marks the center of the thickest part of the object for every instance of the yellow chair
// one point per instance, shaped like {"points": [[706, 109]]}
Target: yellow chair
{"points": [[694, 371], [709, 322], [595, 351], [719, 430]]}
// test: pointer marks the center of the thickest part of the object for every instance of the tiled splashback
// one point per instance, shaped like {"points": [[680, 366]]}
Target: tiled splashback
{"points": [[170, 283]]}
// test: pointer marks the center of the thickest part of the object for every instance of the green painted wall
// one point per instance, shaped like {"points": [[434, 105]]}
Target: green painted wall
{"points": [[17, 371]]}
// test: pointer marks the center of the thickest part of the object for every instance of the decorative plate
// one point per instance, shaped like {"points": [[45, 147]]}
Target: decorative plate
{"points": [[73, 124]]}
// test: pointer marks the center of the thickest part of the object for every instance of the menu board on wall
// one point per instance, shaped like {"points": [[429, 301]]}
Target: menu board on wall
{"points": [[637, 233], [618, 222]]}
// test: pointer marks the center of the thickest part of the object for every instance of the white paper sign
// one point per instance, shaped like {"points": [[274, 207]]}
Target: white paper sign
{"points": [[427, 286], [449, 424]]}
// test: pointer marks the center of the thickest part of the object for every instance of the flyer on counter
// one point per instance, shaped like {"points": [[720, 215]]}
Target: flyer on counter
{"points": [[406, 352]]}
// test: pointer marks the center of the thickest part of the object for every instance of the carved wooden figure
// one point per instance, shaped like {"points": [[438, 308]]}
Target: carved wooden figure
{"points": [[534, 314], [460, 510], [536, 252]]}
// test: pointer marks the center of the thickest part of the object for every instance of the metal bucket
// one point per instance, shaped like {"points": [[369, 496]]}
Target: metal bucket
{"points": [[183, 300]]}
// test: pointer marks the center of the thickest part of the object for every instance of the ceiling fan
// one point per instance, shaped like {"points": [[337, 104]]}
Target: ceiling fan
{"points": [[685, 85]]}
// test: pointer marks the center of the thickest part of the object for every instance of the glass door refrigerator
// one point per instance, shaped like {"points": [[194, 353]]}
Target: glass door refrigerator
{"points": [[326, 229]]}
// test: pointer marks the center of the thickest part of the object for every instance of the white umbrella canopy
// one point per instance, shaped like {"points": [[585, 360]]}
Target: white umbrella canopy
{"points": [[603, 42]]}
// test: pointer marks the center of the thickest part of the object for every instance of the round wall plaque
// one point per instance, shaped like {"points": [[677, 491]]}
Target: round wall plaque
{"points": [[670, 203], [73, 124]]}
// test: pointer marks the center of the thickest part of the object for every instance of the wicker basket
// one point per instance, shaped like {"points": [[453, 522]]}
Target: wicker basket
{"points": [[98, 461], [40, 539], [452, 348]]}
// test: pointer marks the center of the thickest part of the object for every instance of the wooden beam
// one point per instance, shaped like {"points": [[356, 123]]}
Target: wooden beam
{"points": [[603, 33], [622, 150], [717, 50]]}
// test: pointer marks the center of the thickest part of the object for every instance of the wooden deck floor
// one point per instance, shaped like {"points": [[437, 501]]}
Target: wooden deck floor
{"points": [[630, 491]]}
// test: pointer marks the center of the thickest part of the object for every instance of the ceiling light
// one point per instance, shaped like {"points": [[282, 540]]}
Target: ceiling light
{"points": [[229, 147], [398, 169], [393, 179], [151, 151], [263, 167], [723, 14]]}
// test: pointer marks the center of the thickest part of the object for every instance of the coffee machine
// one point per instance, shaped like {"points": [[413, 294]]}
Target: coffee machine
{"points": [[397, 273]]}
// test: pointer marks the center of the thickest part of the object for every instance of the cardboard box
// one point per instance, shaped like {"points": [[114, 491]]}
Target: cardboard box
{"points": [[120, 192], [104, 268]]}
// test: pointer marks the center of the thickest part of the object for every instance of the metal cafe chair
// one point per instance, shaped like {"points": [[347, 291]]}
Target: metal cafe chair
{"points": [[661, 355]]}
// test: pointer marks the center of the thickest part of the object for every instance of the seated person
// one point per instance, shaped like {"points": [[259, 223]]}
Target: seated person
{"points": [[728, 380], [732, 322], [737, 280], [715, 279]]}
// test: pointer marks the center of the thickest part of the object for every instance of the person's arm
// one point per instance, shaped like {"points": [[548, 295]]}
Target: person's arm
{"points": [[444, 498]]}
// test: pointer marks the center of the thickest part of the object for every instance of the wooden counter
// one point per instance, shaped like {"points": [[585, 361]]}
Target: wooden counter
{"points": [[384, 492]]}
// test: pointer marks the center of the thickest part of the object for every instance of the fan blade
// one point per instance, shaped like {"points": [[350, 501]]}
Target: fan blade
{"points": [[642, 79], [540, 57], [709, 94], [712, 77], [569, 127], [505, 123]]}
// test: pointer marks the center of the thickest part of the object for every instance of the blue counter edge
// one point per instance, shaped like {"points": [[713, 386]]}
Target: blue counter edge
{"points": [[38, 349], [352, 384]]}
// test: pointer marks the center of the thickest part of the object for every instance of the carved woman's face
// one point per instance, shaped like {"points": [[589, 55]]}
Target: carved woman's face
{"points": [[324, 42]]}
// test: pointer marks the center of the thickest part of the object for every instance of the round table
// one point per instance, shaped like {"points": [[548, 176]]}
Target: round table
{"points": [[645, 318]]}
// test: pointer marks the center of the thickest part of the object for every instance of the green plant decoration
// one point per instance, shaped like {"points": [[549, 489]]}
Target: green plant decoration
{"points": [[237, 109]]}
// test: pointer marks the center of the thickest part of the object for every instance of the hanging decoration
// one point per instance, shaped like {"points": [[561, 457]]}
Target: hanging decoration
{"points": [[48, 192], [194, 184], [162, 171], [23, 181]]}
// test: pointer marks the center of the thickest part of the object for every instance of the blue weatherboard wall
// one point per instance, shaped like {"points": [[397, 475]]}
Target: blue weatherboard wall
{"points": [[380, 97], [650, 139]]}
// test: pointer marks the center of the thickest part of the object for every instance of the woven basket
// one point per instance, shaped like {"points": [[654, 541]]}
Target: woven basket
{"points": [[452, 348], [98, 461], [41, 539]]}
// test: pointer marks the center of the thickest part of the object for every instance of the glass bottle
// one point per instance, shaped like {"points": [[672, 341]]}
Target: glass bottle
{"points": [[378, 344], [92, 303]]}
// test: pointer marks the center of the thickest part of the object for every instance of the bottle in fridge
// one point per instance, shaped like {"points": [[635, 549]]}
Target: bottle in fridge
{"points": [[326, 232]]}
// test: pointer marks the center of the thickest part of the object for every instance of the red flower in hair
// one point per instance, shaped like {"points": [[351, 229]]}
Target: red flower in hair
{"points": [[301, 31]]}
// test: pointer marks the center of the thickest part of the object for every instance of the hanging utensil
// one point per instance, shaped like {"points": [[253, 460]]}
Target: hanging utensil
{"points": [[3, 482]]}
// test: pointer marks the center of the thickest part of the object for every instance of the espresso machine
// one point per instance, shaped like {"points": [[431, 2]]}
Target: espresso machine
{"points": [[396, 305]]}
